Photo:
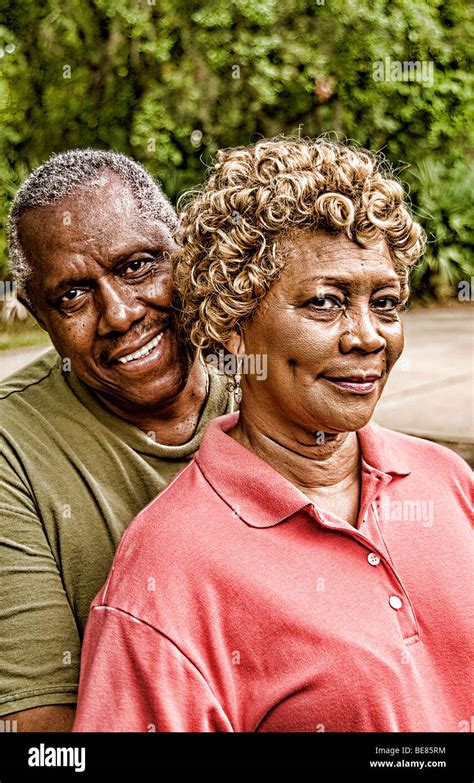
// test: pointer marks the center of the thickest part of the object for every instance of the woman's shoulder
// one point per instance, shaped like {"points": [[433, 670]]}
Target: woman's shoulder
{"points": [[419, 453], [160, 545]]}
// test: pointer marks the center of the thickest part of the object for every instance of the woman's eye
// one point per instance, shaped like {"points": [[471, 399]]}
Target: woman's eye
{"points": [[325, 303], [387, 303]]}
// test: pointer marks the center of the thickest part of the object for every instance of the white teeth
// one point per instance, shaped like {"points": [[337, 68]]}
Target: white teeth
{"points": [[142, 351]]}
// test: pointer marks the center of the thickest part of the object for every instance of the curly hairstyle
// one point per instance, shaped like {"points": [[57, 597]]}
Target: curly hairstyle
{"points": [[230, 231]]}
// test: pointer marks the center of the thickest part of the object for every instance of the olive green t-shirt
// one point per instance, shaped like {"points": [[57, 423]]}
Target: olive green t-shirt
{"points": [[72, 477]]}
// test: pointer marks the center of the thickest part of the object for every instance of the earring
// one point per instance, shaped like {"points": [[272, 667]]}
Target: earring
{"points": [[237, 389], [237, 378]]}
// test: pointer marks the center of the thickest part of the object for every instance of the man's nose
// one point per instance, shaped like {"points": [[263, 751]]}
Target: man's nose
{"points": [[361, 331], [119, 307]]}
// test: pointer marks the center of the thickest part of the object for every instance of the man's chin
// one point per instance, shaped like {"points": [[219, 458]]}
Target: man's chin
{"points": [[129, 392], [139, 399]]}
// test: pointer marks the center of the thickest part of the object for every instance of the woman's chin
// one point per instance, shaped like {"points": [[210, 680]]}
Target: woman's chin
{"points": [[343, 423]]}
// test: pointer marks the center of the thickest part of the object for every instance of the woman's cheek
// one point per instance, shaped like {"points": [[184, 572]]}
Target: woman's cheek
{"points": [[395, 344]]}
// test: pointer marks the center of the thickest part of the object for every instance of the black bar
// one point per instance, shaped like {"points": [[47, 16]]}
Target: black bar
{"points": [[135, 753]]}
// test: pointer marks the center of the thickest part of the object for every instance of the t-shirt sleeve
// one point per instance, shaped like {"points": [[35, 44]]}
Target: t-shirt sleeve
{"points": [[133, 678], [40, 644]]}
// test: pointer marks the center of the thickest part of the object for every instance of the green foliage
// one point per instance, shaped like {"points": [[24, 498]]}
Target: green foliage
{"points": [[446, 208], [139, 76]]}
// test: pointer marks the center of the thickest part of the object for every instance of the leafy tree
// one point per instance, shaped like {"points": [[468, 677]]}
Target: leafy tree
{"points": [[171, 81]]}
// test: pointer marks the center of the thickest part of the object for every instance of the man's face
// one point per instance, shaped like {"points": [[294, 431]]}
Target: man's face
{"points": [[101, 288]]}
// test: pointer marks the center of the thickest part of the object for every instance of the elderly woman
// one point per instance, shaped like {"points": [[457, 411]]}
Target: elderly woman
{"points": [[283, 582]]}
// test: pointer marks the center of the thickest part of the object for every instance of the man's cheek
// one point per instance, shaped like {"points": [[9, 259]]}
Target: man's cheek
{"points": [[75, 345], [158, 288]]}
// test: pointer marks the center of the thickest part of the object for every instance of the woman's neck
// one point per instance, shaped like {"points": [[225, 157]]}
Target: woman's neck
{"points": [[319, 464]]}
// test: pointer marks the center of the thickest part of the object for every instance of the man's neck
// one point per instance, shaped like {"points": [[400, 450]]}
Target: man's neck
{"points": [[174, 422]]}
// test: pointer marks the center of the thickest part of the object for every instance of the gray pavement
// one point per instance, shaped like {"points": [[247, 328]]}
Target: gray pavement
{"points": [[430, 390], [16, 358]]}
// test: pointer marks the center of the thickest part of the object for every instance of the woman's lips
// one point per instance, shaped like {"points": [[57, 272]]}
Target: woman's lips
{"points": [[354, 385]]}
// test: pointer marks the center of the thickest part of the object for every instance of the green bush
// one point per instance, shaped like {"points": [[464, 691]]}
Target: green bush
{"points": [[445, 205], [140, 76]]}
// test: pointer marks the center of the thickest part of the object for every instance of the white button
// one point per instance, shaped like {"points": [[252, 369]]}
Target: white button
{"points": [[395, 602], [373, 559]]}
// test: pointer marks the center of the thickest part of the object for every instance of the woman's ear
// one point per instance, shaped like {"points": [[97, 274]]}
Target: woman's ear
{"points": [[235, 344]]}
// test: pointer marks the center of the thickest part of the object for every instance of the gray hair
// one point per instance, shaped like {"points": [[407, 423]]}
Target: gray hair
{"points": [[61, 175]]}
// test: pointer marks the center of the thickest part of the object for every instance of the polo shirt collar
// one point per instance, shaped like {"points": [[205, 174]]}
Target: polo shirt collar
{"points": [[382, 450], [256, 492]]}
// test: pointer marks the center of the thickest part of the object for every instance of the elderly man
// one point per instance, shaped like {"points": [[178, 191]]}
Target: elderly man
{"points": [[94, 429]]}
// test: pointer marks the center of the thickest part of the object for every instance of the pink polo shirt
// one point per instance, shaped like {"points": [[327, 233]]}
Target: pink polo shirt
{"points": [[234, 604]]}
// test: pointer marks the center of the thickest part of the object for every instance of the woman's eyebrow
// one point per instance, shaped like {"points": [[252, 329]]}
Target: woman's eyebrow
{"points": [[333, 280], [342, 281]]}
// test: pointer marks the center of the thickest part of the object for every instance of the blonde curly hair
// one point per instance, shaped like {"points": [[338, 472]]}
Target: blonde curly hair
{"points": [[229, 232]]}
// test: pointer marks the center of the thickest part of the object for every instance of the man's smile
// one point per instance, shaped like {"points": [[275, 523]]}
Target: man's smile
{"points": [[143, 358], [140, 348], [130, 357]]}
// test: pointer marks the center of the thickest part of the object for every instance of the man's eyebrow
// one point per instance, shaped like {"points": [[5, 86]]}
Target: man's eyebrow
{"points": [[65, 285], [77, 282], [151, 249]]}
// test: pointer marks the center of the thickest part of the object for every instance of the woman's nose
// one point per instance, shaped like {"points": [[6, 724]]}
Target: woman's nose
{"points": [[361, 331]]}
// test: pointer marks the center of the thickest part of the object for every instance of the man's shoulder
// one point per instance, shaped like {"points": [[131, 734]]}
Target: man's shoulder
{"points": [[32, 376]]}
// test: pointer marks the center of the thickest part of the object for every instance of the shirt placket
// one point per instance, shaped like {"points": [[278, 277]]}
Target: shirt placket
{"points": [[377, 555]]}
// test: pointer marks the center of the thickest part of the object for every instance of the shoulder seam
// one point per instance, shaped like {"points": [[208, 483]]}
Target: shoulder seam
{"points": [[46, 691], [132, 617], [25, 388]]}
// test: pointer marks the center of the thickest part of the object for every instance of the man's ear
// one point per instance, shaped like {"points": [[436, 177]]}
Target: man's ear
{"points": [[22, 297], [235, 344]]}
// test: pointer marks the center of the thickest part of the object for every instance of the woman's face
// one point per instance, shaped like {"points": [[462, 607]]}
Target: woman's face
{"points": [[331, 331]]}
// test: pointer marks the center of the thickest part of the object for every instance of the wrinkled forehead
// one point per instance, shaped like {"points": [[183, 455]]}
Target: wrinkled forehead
{"points": [[92, 208], [308, 250], [99, 217], [326, 243]]}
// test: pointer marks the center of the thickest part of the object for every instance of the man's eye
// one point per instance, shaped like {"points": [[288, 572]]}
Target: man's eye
{"points": [[325, 303], [137, 267], [386, 303], [73, 296]]}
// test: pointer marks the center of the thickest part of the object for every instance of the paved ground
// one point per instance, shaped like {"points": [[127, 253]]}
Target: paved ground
{"points": [[430, 391], [16, 358]]}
